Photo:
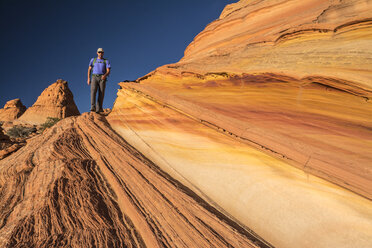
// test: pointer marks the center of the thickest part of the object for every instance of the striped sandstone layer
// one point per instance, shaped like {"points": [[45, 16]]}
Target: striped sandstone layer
{"points": [[79, 184], [286, 206], [292, 77], [290, 84]]}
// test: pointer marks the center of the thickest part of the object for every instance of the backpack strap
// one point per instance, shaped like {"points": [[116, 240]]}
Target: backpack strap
{"points": [[95, 59]]}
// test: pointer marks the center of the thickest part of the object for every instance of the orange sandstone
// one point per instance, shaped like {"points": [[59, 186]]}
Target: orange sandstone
{"points": [[290, 83], [55, 101], [291, 77], [12, 110], [79, 184], [259, 136], [286, 206]]}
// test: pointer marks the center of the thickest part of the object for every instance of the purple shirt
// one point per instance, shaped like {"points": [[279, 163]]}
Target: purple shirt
{"points": [[99, 66]]}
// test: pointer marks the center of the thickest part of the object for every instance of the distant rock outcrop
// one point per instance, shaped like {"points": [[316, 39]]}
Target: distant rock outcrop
{"points": [[12, 110], [55, 101]]}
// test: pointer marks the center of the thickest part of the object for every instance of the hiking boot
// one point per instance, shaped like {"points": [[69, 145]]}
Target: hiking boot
{"points": [[92, 110], [99, 111]]}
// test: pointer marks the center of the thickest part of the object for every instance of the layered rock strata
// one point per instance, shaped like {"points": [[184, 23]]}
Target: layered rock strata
{"points": [[290, 83], [55, 101], [12, 110], [81, 185], [286, 206], [328, 38], [291, 77]]}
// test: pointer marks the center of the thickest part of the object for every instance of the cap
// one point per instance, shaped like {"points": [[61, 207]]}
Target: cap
{"points": [[100, 50]]}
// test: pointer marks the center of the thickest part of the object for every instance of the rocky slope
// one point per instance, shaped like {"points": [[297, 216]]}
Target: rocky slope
{"points": [[260, 136], [12, 110], [286, 206], [289, 83], [292, 77], [81, 185], [55, 101]]}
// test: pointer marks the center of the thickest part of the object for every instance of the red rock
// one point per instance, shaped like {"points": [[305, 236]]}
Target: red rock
{"points": [[104, 193], [293, 77], [55, 101], [12, 110], [267, 99], [268, 115]]}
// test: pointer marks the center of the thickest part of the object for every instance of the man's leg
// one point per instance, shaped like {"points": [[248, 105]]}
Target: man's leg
{"points": [[101, 93], [93, 93]]}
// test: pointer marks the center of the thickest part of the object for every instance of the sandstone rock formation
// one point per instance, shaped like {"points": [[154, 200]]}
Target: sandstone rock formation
{"points": [[55, 101], [12, 110], [293, 77], [81, 185], [290, 83], [260, 136], [286, 206]]}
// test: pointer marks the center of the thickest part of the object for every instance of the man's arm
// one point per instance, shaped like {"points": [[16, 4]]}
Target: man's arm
{"points": [[104, 76], [89, 71]]}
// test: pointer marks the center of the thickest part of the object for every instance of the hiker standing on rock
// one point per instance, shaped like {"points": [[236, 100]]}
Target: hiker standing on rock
{"points": [[101, 69]]}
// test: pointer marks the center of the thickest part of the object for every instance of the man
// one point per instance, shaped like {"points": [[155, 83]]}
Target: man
{"points": [[101, 69]]}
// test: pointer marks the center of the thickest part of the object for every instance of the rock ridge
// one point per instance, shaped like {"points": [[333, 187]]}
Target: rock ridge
{"points": [[82, 183]]}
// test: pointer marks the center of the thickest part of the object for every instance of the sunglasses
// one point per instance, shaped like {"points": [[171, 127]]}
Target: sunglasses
{"points": [[100, 52]]}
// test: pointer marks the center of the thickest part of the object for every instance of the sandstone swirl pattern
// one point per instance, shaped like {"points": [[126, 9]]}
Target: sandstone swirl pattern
{"points": [[286, 206], [81, 185], [292, 77], [268, 100]]}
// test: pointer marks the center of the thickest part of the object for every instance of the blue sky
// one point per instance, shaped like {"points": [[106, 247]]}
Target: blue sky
{"points": [[43, 41]]}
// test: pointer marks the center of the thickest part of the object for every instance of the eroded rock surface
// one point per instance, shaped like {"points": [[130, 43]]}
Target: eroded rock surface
{"points": [[286, 206], [55, 101], [292, 77], [81, 185], [12, 110]]}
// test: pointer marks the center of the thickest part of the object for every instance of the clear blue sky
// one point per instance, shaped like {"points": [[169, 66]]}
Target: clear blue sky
{"points": [[42, 41]]}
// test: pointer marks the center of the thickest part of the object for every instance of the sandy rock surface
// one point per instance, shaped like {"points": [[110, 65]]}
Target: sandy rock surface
{"points": [[55, 101], [79, 184], [292, 77], [12, 110], [291, 83], [260, 135], [286, 206]]}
